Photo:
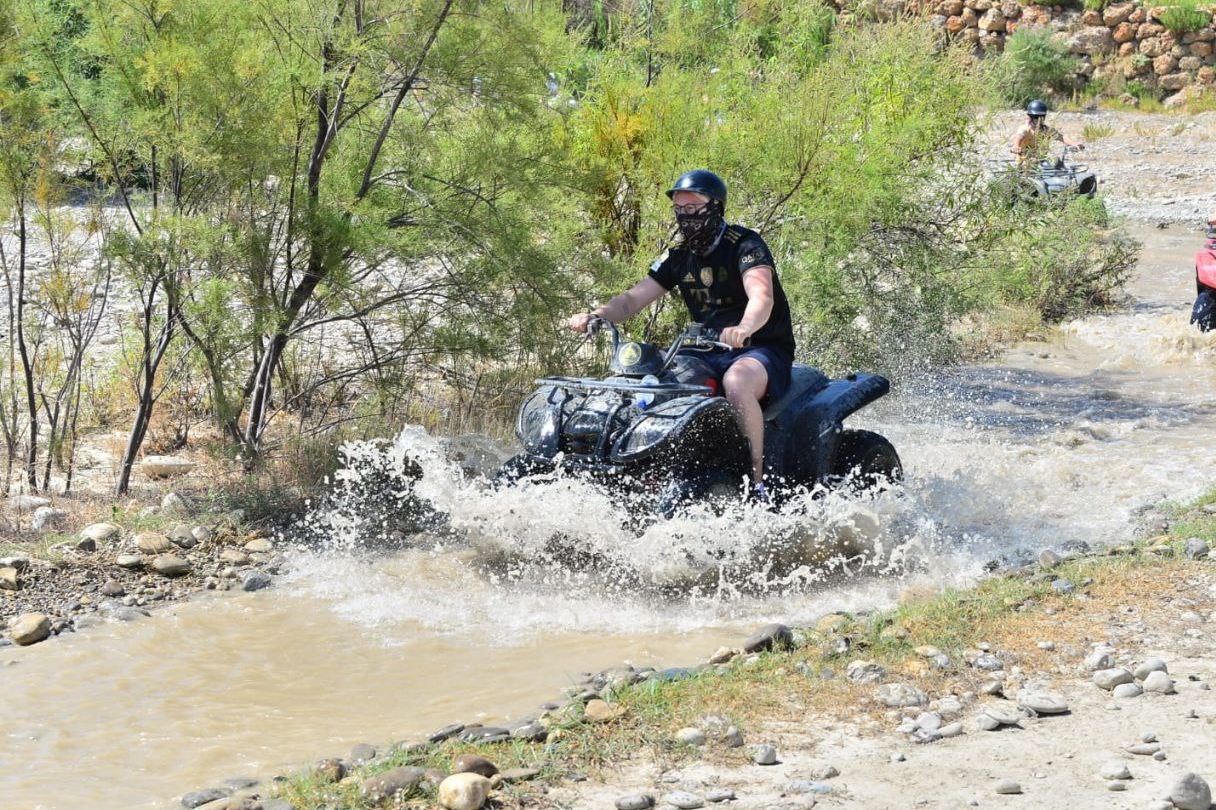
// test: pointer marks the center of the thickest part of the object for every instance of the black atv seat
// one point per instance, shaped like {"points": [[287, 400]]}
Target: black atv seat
{"points": [[804, 380]]}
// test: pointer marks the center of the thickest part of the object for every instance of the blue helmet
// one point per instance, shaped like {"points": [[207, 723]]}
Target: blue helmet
{"points": [[701, 181]]}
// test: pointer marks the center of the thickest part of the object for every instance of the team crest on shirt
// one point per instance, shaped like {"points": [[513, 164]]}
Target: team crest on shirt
{"points": [[688, 279], [707, 276]]}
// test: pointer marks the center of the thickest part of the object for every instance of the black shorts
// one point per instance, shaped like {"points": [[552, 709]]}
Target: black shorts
{"points": [[774, 361]]}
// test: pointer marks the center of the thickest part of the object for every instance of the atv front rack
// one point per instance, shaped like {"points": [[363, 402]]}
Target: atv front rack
{"points": [[637, 387]]}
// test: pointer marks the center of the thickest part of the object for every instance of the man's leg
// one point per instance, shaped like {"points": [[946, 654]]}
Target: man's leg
{"points": [[744, 384]]}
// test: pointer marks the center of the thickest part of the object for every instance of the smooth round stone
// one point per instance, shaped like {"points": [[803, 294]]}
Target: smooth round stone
{"points": [[1150, 665], [634, 801], [1008, 787], [898, 757], [899, 695], [1116, 786], [951, 730], [684, 800], [1191, 792], [1115, 770], [100, 532], [170, 566], [765, 755], [691, 736], [720, 795], [464, 791], [1159, 682], [1144, 749], [1110, 678], [1044, 702], [1127, 690], [165, 466]]}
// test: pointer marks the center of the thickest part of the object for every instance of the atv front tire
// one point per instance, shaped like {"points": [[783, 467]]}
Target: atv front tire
{"points": [[717, 489], [865, 461]]}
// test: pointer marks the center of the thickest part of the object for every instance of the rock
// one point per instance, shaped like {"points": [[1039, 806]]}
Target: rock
{"points": [[864, 672], [732, 738], [1100, 658], [472, 763], [684, 800], [464, 791], [8, 579], [634, 801], [769, 637], [46, 517], [173, 504], [362, 753], [1108, 679], [1195, 549], [27, 503], [691, 736], [765, 755], [899, 695], [532, 731], [259, 545], [153, 543], [1008, 787], [1043, 702], [1115, 770], [165, 466], [388, 784], [1149, 666], [1127, 690], [197, 798], [1159, 682], [169, 565], [256, 581], [129, 561], [1191, 792], [599, 711], [1049, 559], [330, 771], [717, 795], [29, 628], [1144, 749]]}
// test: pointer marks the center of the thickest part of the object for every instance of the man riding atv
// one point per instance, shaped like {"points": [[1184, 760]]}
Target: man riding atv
{"points": [[1033, 138], [727, 279]]}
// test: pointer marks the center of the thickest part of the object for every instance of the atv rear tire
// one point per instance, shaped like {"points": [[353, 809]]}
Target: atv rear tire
{"points": [[718, 489], [865, 461]]}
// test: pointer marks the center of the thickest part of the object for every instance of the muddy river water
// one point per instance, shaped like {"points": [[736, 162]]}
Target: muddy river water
{"points": [[1055, 443]]}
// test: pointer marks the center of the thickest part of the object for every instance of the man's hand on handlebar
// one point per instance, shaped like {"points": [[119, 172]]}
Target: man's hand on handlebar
{"points": [[585, 323], [736, 337]]}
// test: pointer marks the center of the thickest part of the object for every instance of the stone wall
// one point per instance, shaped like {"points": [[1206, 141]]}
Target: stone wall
{"points": [[1124, 42]]}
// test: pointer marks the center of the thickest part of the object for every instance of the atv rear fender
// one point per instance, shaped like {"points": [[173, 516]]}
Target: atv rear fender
{"points": [[814, 437]]}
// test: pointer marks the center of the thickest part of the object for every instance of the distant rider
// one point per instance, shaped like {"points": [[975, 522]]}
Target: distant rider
{"points": [[726, 277], [1034, 138]]}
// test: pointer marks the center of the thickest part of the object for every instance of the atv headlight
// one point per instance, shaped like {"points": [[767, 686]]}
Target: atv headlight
{"points": [[642, 437], [535, 421]]}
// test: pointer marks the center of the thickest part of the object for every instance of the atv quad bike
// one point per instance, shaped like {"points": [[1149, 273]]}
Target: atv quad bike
{"points": [[1050, 177], [657, 429]]}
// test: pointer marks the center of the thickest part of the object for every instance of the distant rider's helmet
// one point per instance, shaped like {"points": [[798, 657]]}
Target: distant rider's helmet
{"points": [[702, 227], [1037, 108], [702, 181]]}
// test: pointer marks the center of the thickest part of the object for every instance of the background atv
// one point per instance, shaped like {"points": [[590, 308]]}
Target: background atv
{"points": [[656, 431], [1050, 177]]}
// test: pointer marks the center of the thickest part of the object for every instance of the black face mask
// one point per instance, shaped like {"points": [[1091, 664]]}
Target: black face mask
{"points": [[700, 230]]}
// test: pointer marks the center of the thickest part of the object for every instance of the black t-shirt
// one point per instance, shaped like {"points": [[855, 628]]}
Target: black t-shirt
{"points": [[712, 285]]}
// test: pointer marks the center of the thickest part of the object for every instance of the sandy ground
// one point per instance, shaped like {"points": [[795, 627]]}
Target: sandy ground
{"points": [[1157, 169]]}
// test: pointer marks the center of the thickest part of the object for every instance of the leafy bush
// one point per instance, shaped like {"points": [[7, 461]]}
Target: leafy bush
{"points": [[1033, 65], [1186, 16]]}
